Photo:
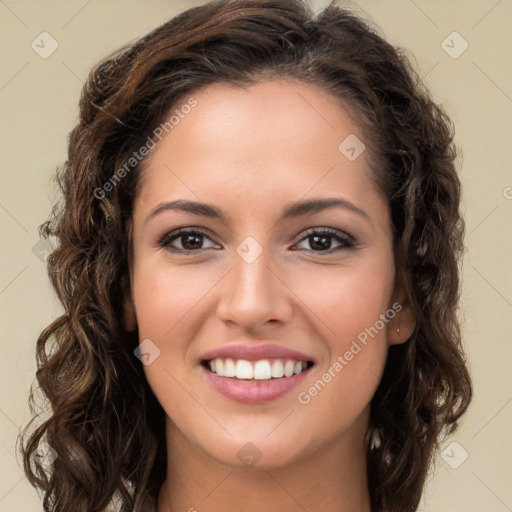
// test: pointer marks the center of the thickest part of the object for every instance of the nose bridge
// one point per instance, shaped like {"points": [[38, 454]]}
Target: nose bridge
{"points": [[254, 294]]}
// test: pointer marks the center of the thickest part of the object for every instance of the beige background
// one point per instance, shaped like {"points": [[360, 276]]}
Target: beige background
{"points": [[38, 107]]}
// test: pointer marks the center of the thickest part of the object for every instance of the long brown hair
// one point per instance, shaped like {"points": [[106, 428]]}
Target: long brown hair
{"points": [[105, 423]]}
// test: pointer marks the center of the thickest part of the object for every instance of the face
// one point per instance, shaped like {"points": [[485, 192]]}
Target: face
{"points": [[259, 240]]}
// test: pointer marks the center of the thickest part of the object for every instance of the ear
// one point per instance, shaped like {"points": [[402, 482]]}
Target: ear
{"points": [[402, 325], [129, 319]]}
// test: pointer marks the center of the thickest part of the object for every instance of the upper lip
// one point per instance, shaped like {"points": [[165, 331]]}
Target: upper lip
{"points": [[255, 352]]}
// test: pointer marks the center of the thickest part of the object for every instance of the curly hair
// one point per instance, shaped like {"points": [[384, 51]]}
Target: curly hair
{"points": [[105, 423]]}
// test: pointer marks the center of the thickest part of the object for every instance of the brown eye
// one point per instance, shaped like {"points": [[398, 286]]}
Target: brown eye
{"points": [[319, 242], [322, 240], [185, 241], [191, 241]]}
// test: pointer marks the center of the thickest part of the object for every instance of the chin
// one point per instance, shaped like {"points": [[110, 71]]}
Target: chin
{"points": [[254, 455]]}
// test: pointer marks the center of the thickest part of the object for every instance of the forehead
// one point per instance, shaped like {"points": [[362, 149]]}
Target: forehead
{"points": [[276, 138]]}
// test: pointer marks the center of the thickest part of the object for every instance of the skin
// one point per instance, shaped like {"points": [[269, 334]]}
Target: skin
{"points": [[251, 152]]}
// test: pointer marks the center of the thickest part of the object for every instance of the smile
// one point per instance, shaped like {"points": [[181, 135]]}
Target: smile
{"points": [[260, 370]]}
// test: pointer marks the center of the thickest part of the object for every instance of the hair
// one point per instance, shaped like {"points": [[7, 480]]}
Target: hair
{"points": [[105, 423]]}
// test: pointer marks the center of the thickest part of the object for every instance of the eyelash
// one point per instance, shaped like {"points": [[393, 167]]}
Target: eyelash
{"points": [[347, 241]]}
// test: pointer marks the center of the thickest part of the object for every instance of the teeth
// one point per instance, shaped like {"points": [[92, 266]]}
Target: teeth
{"points": [[229, 368], [288, 368], [256, 370], [277, 369], [243, 370], [262, 370]]}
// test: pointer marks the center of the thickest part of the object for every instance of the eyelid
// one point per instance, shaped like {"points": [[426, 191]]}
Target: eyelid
{"points": [[346, 241], [165, 240], [326, 230]]}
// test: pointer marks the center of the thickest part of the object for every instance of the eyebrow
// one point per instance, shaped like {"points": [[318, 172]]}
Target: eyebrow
{"points": [[206, 210], [304, 207], [311, 206]]}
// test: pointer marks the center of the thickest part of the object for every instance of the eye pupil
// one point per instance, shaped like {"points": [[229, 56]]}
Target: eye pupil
{"points": [[320, 242], [193, 241]]}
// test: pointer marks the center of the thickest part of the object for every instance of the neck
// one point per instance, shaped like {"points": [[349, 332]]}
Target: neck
{"points": [[332, 477]]}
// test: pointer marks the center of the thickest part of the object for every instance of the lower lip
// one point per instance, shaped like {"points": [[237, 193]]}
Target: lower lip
{"points": [[254, 391]]}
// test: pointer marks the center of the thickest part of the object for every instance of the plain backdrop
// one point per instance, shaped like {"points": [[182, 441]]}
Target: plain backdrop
{"points": [[38, 108]]}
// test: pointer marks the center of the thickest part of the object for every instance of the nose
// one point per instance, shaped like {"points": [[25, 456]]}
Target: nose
{"points": [[254, 296]]}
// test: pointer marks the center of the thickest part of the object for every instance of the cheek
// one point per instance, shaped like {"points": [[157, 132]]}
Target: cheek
{"points": [[166, 296], [167, 304], [353, 314], [166, 299], [348, 299]]}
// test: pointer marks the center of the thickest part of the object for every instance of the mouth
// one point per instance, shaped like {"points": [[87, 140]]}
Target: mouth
{"points": [[251, 373], [259, 370], [251, 382]]}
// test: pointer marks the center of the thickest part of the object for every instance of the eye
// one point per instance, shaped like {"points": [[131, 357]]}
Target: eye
{"points": [[321, 240], [185, 241]]}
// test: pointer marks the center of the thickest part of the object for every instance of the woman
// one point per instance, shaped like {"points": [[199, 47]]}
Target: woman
{"points": [[258, 260]]}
